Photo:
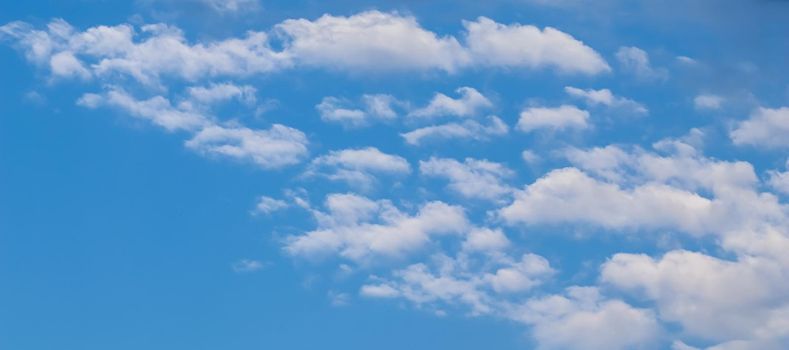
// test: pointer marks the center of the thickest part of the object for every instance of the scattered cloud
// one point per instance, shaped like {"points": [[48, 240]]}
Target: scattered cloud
{"points": [[707, 102], [267, 205], [468, 104], [468, 129], [473, 178], [766, 127], [605, 97], [635, 61], [553, 118], [358, 167]]}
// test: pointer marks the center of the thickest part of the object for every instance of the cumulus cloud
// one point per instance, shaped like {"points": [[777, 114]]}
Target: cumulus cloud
{"points": [[366, 41], [271, 148], [553, 118], [582, 319], [473, 178], [468, 104], [713, 299], [358, 167], [515, 45], [766, 127], [635, 61], [358, 228], [452, 282], [605, 97], [370, 40], [644, 190]]}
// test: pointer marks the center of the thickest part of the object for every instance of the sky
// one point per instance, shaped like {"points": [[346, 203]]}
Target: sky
{"points": [[507, 174]]}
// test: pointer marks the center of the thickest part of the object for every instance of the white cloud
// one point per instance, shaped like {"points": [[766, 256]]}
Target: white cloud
{"points": [[64, 64], [584, 320], [636, 61], [372, 41], [558, 118], [366, 41], [643, 190], [707, 102], [606, 98], [473, 178], [217, 93], [374, 107], [379, 291], [273, 148], [468, 104], [766, 127], [380, 105], [360, 229], [145, 55], [779, 181], [570, 196], [530, 157], [358, 167], [157, 109], [468, 129], [331, 109], [515, 45], [453, 282], [485, 240], [267, 205], [714, 299]]}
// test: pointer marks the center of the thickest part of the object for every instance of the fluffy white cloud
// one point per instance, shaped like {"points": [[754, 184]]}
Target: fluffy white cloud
{"points": [[453, 282], [766, 127], [366, 41], [605, 97], [713, 299], [707, 102], [485, 240], [358, 167], [370, 40], [272, 148], [359, 229], [155, 51], [558, 118], [468, 129], [468, 104], [515, 45], [570, 196], [473, 178], [636, 61], [584, 320]]}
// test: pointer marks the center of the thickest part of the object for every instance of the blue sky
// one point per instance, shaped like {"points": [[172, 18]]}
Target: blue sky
{"points": [[518, 174]]}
